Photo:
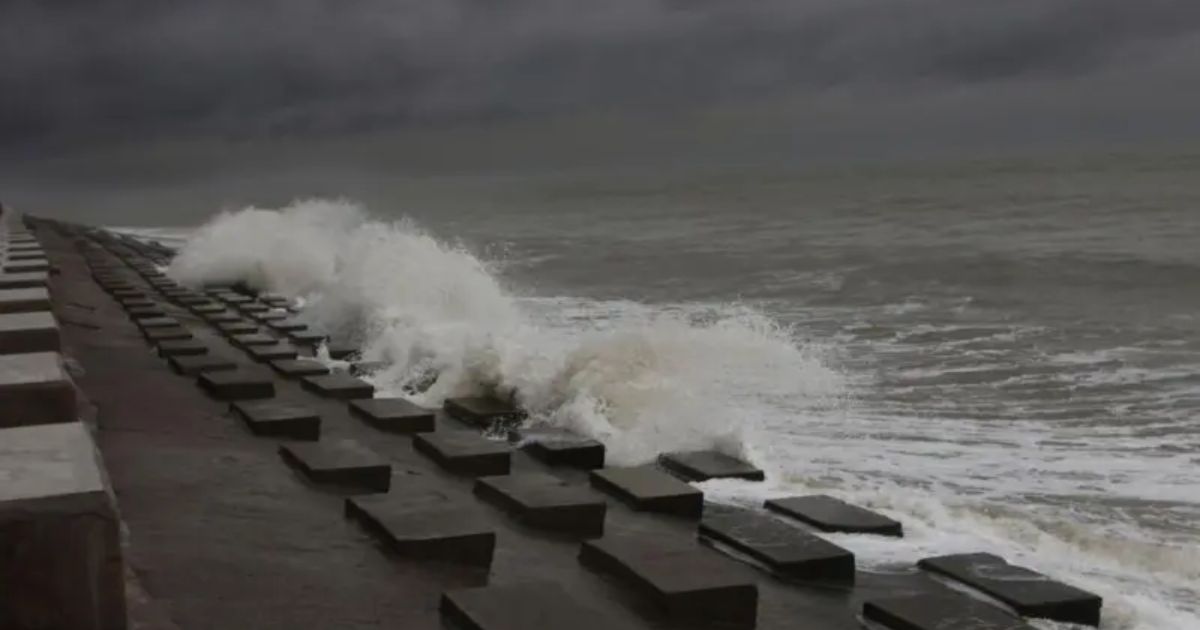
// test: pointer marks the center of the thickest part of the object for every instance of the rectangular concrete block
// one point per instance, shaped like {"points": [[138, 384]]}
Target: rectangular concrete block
{"points": [[647, 489], [253, 307], [138, 313], [343, 463], [60, 555], [223, 317], [705, 465], [250, 340], [684, 581], [1028, 592], [444, 532], [31, 280], [546, 502], [308, 338], [296, 368], [562, 448], [157, 322], [182, 348], [29, 332], [24, 300], [196, 365], [155, 335], [236, 326], [26, 266], [833, 515], [787, 551], [484, 412], [338, 385], [394, 415], [280, 419], [35, 389], [525, 606], [465, 452], [237, 384], [939, 612], [273, 352]]}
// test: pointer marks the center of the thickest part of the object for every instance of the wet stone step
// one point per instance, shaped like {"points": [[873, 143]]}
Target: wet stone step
{"points": [[275, 351], [338, 385], [484, 412], [239, 327], [344, 463], [786, 550], [394, 415], [447, 532], [236, 384], [557, 447], [136, 302], [526, 606], [546, 502], [1028, 592], [206, 308], [833, 515], [686, 582], [154, 335], [465, 452], [295, 368], [158, 322], [182, 348], [647, 489], [146, 312], [234, 298], [250, 340], [307, 338], [939, 612], [196, 365], [280, 419], [270, 316], [705, 465], [253, 307]]}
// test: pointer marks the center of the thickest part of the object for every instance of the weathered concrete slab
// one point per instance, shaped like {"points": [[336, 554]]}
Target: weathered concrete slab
{"points": [[484, 412], [280, 419], [158, 322], [524, 606], [338, 385], [295, 368], [276, 351], [187, 298], [270, 316], [833, 515], [23, 280], [154, 335], [687, 583], [136, 302], [448, 533], [29, 332], [705, 465], [31, 254], [253, 307], [309, 338], [145, 312], [196, 365], [786, 550], [394, 415], [27, 266], [35, 389], [236, 384], [128, 293], [222, 317], [182, 348], [546, 502], [237, 327], [341, 351], [206, 308], [345, 463], [1028, 592], [234, 298], [249, 340], [939, 612], [59, 535], [557, 447], [465, 452], [647, 489], [24, 300]]}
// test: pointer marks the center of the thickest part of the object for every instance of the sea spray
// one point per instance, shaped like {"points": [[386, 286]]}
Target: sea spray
{"points": [[646, 382]]}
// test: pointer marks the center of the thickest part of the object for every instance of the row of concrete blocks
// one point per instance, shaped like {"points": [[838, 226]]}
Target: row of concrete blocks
{"points": [[667, 573], [59, 536]]}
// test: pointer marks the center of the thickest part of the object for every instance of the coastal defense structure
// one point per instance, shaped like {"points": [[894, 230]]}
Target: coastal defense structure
{"points": [[180, 457]]}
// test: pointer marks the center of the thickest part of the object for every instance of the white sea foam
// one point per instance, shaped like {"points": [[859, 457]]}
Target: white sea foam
{"points": [[646, 379]]}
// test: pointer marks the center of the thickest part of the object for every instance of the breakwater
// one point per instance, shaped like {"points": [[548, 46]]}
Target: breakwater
{"points": [[261, 488]]}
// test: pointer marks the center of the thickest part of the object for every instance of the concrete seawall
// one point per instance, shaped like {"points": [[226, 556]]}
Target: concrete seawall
{"points": [[260, 489]]}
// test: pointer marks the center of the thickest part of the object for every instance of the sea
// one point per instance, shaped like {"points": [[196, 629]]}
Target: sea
{"points": [[1003, 354]]}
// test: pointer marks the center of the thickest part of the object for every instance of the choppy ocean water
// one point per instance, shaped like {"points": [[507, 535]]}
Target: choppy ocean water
{"points": [[1003, 355]]}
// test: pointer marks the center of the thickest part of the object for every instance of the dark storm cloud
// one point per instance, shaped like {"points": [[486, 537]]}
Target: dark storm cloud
{"points": [[84, 68]]}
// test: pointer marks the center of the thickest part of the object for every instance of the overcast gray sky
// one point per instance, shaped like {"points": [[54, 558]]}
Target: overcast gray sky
{"points": [[577, 81]]}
